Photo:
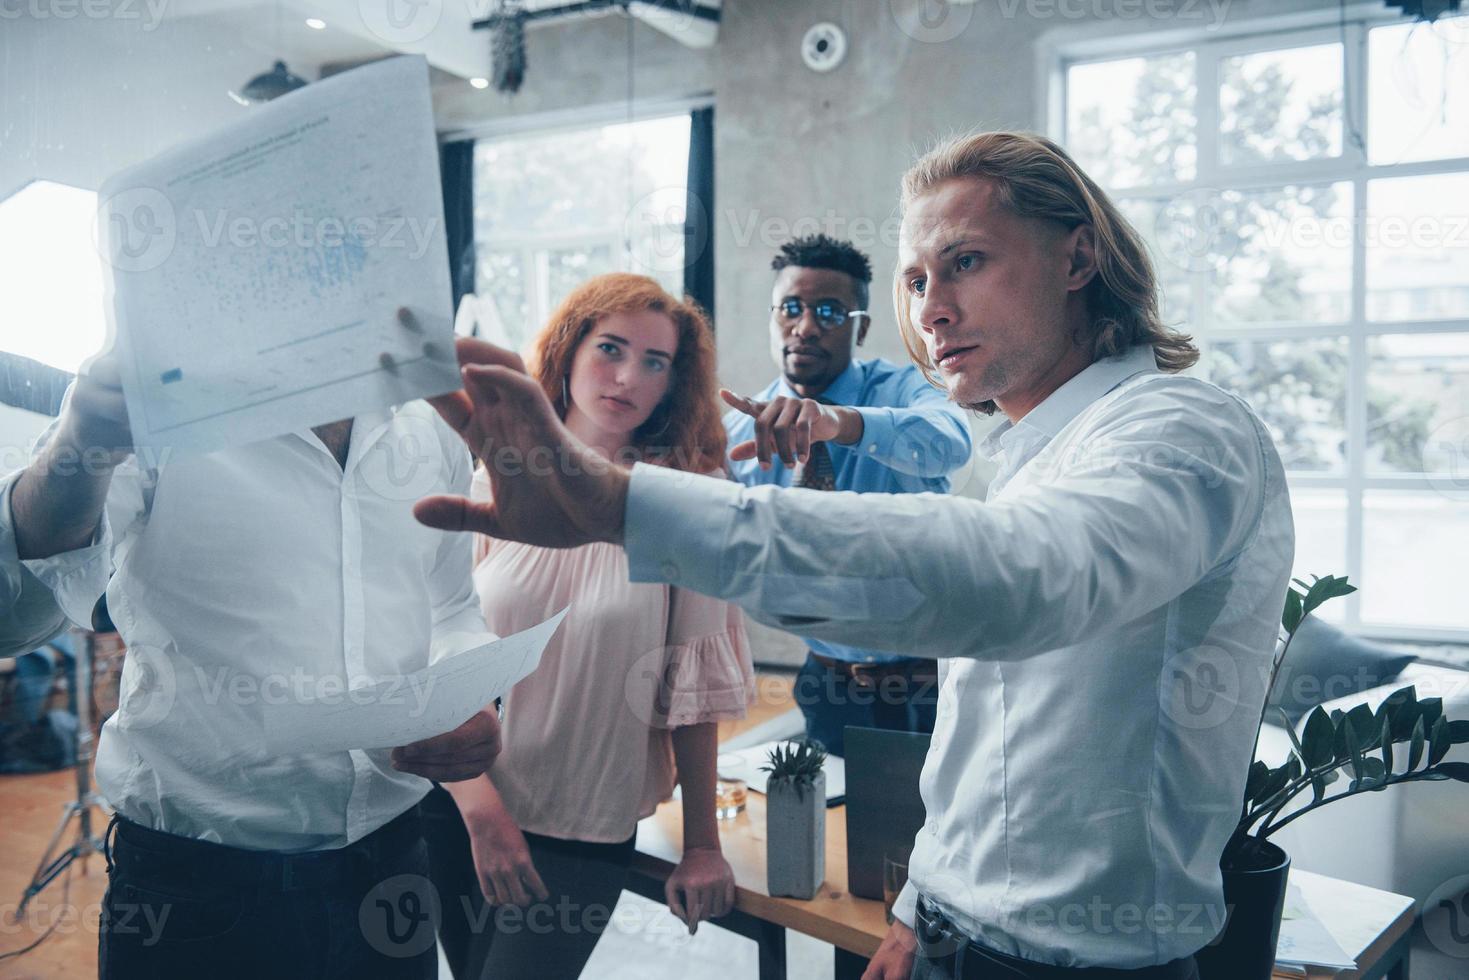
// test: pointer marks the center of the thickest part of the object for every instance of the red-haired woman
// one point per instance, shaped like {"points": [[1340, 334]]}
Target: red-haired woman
{"points": [[628, 693]]}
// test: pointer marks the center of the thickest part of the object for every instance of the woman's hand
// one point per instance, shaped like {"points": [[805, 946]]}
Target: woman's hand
{"points": [[701, 887], [502, 860], [894, 958]]}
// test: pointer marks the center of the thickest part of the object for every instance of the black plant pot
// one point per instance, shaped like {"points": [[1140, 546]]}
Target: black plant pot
{"points": [[1255, 897]]}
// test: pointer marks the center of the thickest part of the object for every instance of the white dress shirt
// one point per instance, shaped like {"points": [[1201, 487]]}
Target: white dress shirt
{"points": [[29, 615], [265, 573], [1108, 618]]}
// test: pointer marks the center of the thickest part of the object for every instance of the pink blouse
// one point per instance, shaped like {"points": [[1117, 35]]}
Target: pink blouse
{"points": [[586, 748]]}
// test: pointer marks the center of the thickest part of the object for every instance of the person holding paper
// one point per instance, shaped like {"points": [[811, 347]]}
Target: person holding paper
{"points": [[628, 694], [1104, 622], [287, 568]]}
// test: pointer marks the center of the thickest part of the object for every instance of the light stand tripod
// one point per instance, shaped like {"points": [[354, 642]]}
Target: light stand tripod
{"points": [[85, 843]]}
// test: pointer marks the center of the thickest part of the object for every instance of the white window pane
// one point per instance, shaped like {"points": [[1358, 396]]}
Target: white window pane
{"points": [[52, 307], [1131, 122], [1418, 91], [575, 181], [1281, 105], [553, 210], [1298, 388], [567, 268], [1282, 255], [1418, 247], [500, 276], [1321, 539], [1414, 545], [1158, 221], [1418, 403]]}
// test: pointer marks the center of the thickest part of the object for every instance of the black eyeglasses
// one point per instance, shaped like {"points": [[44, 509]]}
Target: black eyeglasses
{"points": [[828, 315]]}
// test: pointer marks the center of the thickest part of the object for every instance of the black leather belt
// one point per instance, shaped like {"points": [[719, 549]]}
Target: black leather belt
{"points": [[939, 938], [871, 674]]}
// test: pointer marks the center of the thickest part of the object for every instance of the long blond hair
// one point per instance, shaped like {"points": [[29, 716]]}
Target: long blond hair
{"points": [[1035, 178]]}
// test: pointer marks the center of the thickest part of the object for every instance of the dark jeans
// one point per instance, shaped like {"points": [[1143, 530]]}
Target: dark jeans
{"points": [[944, 953], [178, 907], [905, 700], [547, 940]]}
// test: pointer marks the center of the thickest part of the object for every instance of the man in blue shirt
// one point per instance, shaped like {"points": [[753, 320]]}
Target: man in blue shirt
{"points": [[830, 422]]}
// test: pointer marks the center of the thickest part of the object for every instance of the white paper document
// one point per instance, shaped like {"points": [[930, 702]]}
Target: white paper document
{"points": [[254, 275], [745, 764], [402, 710], [1304, 941]]}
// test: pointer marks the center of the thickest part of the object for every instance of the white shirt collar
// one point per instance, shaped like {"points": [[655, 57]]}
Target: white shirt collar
{"points": [[1047, 419]]}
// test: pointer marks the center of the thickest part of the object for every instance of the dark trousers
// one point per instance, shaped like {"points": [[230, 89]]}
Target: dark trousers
{"points": [[944, 953], [179, 907], [548, 940], [902, 697]]}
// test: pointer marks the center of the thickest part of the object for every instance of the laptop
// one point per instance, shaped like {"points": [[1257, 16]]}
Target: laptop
{"points": [[884, 810]]}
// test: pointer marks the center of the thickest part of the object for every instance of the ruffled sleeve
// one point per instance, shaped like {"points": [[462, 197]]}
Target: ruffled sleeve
{"points": [[709, 675]]}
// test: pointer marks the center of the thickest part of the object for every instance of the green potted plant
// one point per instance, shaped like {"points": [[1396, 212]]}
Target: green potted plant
{"points": [[1360, 742], [795, 819]]}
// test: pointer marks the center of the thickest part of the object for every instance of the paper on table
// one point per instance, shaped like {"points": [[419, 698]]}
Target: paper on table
{"points": [[1304, 940], [254, 275], [401, 710], [745, 764]]}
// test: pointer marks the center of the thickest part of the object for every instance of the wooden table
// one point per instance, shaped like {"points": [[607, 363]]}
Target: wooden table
{"points": [[1373, 926], [855, 926]]}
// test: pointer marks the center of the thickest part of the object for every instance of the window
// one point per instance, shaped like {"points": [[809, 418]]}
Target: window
{"points": [[553, 210], [51, 302], [1305, 195]]}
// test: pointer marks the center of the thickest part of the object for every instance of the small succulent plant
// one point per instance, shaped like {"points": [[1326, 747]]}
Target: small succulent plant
{"points": [[796, 763]]}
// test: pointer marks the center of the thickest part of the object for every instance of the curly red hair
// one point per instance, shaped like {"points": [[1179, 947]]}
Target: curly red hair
{"points": [[685, 431]]}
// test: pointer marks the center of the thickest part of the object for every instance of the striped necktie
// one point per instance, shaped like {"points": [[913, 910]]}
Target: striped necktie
{"points": [[817, 472]]}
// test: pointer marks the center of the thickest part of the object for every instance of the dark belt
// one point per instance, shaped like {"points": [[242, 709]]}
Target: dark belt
{"points": [[939, 938], [152, 852], [871, 674]]}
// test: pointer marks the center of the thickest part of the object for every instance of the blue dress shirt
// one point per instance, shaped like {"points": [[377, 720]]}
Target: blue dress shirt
{"points": [[913, 437]]}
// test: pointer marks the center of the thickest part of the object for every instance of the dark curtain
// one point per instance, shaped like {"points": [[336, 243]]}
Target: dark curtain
{"points": [[456, 167], [698, 275]]}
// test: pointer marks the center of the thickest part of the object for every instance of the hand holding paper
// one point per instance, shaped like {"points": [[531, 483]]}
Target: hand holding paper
{"points": [[464, 753]]}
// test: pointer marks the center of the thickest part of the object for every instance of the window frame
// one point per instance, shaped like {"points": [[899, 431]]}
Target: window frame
{"points": [[533, 247], [1063, 49]]}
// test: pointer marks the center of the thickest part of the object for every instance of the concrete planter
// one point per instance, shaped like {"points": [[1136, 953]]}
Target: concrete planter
{"points": [[795, 838]]}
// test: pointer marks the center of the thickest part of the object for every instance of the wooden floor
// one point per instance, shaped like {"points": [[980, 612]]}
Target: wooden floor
{"points": [[30, 808]]}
